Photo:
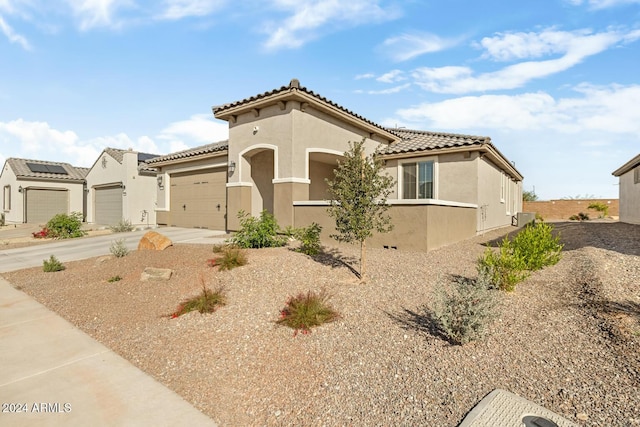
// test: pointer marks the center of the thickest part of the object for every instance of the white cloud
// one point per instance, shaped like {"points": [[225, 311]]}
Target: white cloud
{"points": [[390, 90], [392, 77], [602, 4], [410, 45], [607, 109], [510, 46], [576, 47], [98, 13], [310, 19], [178, 9], [12, 36], [200, 128], [364, 76]]}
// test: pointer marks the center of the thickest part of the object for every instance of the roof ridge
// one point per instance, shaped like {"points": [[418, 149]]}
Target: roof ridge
{"points": [[294, 85], [436, 133], [41, 161]]}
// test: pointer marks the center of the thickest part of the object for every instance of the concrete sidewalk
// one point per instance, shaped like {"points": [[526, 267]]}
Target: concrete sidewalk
{"points": [[53, 374]]}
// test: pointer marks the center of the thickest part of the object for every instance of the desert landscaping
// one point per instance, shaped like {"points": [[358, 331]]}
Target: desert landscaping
{"points": [[567, 338]]}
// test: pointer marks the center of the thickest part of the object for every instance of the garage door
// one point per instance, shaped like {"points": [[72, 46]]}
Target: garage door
{"points": [[198, 199], [43, 204], [108, 205]]}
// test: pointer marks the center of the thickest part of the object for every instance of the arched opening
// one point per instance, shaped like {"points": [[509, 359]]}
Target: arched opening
{"points": [[260, 163], [321, 167]]}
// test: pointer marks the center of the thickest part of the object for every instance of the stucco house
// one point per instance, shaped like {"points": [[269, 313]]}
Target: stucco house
{"points": [[121, 186], [33, 191], [629, 175], [284, 143]]}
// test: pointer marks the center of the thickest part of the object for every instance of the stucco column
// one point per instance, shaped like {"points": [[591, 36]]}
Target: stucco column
{"points": [[284, 194], [238, 198]]}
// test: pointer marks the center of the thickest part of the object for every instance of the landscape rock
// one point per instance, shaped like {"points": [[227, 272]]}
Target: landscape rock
{"points": [[156, 274], [154, 241]]}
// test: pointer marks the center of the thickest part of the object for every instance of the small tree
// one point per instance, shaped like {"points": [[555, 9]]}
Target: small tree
{"points": [[529, 196], [359, 199]]}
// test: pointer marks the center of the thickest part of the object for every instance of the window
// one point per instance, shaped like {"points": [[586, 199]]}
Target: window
{"points": [[636, 175], [6, 198], [503, 180], [417, 180]]}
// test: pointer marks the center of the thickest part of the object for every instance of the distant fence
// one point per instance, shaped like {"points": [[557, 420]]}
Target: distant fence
{"points": [[565, 208]]}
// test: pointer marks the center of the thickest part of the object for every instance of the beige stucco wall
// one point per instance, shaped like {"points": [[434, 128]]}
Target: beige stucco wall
{"points": [[276, 144], [14, 212], [416, 227], [629, 198], [493, 210], [139, 193]]}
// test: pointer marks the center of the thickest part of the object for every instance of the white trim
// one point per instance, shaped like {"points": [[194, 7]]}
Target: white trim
{"points": [[171, 171], [312, 203], [318, 150], [399, 202], [239, 184], [254, 147], [291, 179], [431, 202], [417, 160]]}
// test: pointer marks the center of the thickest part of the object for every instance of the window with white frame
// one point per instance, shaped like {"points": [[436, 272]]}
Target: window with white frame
{"points": [[6, 198], [418, 180], [503, 183]]}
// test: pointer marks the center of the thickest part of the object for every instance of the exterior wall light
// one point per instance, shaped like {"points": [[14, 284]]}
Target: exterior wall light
{"points": [[232, 167], [20, 189], [159, 178]]}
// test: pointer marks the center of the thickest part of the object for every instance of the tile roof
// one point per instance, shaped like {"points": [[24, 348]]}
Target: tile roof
{"points": [[294, 85], [192, 152], [418, 140], [118, 154], [22, 170]]}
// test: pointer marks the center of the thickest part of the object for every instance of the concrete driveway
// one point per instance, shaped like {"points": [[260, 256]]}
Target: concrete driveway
{"points": [[88, 247]]}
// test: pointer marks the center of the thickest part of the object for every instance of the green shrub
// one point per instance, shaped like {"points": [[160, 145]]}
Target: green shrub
{"points": [[539, 217], [305, 311], [2, 219], [232, 257], [119, 248], [114, 279], [205, 302], [537, 246], [580, 217], [503, 268], [603, 208], [52, 265], [462, 310], [309, 238], [123, 226], [258, 232], [63, 226]]}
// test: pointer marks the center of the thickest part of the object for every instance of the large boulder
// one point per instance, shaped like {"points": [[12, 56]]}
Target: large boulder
{"points": [[154, 274], [154, 241]]}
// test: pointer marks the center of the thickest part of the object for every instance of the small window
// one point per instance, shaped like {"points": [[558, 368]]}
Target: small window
{"points": [[6, 198], [417, 180], [636, 175]]}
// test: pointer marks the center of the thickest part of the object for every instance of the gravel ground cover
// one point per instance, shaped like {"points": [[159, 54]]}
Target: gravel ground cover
{"points": [[568, 338]]}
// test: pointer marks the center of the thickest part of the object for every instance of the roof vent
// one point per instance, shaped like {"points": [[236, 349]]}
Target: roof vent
{"points": [[295, 83]]}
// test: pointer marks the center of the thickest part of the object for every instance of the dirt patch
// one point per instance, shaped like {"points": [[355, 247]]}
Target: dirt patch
{"points": [[566, 339]]}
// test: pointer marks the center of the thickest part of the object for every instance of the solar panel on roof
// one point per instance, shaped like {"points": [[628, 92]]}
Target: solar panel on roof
{"points": [[42, 168]]}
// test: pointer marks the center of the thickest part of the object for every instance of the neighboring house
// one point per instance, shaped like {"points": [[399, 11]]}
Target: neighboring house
{"points": [[629, 175], [33, 191], [282, 146], [121, 187]]}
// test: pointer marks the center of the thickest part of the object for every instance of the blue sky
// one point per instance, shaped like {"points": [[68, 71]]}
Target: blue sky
{"points": [[554, 83]]}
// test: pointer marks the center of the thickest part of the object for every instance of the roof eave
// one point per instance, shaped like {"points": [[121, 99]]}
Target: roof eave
{"points": [[631, 164], [168, 162]]}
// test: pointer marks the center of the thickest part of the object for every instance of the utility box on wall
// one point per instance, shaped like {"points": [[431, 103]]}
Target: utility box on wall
{"points": [[525, 218]]}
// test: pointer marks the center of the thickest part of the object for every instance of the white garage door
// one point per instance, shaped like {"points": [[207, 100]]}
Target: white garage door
{"points": [[43, 204], [199, 199], [108, 205]]}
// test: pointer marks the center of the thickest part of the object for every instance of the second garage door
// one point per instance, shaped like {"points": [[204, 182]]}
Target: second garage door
{"points": [[199, 199], [108, 205], [43, 204]]}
